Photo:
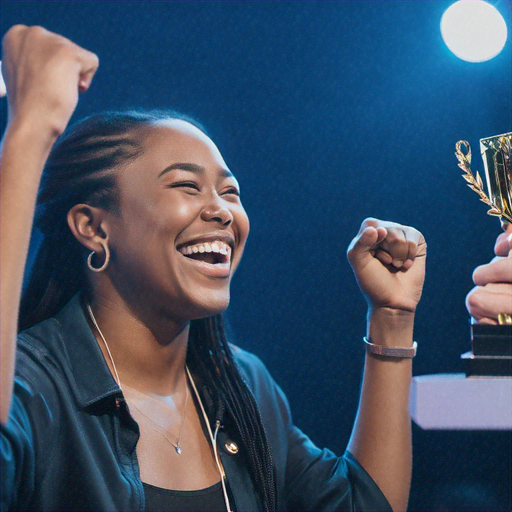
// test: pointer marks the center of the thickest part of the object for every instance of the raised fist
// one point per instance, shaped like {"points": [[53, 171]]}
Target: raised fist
{"points": [[43, 74]]}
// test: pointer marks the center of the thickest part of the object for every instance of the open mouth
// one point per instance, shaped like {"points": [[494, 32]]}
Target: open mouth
{"points": [[212, 253]]}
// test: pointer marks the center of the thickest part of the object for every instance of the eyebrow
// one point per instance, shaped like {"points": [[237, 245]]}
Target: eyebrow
{"points": [[198, 169]]}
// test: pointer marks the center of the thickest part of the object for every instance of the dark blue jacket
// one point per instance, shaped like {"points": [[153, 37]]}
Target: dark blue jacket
{"points": [[70, 445]]}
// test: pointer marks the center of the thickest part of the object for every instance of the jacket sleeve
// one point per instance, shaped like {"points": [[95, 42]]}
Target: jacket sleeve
{"points": [[17, 457], [317, 479], [28, 433], [309, 478]]}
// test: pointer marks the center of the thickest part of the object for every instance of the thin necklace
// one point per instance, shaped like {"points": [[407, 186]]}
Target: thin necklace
{"points": [[177, 444], [160, 429]]}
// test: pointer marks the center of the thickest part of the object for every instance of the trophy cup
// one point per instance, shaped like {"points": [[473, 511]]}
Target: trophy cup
{"points": [[491, 345]]}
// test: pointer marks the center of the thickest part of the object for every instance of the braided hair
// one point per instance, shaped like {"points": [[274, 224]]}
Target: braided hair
{"points": [[81, 169]]}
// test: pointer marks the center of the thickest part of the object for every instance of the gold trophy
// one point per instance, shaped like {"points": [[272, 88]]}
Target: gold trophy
{"points": [[491, 353], [497, 156]]}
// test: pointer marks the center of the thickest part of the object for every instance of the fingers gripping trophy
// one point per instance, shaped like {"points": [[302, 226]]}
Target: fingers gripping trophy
{"points": [[491, 353]]}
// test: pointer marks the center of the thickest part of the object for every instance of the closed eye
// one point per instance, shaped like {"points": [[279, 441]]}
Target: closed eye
{"points": [[232, 190], [185, 184]]}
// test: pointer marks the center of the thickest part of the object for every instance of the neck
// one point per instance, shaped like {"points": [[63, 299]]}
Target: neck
{"points": [[149, 354]]}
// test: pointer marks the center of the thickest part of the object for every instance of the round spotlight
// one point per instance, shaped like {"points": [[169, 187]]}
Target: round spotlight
{"points": [[473, 30]]}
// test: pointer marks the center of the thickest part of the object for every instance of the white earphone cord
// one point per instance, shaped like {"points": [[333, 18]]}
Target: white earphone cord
{"points": [[213, 438]]}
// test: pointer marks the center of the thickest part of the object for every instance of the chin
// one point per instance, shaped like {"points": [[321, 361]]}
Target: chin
{"points": [[209, 305]]}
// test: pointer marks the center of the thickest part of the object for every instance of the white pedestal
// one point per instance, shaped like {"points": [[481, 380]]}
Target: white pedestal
{"points": [[453, 402]]}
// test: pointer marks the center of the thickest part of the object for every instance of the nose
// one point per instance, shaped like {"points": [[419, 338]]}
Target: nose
{"points": [[216, 211]]}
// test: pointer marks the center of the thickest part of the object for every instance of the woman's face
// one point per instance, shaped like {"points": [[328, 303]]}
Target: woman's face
{"points": [[182, 228]]}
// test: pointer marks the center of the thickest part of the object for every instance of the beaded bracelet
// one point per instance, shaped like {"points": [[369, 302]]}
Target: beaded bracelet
{"points": [[398, 352]]}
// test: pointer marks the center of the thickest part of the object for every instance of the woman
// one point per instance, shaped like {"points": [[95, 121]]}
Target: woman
{"points": [[127, 395]]}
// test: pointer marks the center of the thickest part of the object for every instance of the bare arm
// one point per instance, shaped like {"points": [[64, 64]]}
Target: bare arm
{"points": [[389, 264], [43, 73], [381, 438], [19, 178]]}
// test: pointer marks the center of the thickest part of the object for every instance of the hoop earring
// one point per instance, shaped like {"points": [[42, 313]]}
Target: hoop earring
{"points": [[105, 263]]}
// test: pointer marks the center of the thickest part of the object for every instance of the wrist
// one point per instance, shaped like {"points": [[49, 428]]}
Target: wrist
{"points": [[28, 133], [390, 327], [22, 159]]}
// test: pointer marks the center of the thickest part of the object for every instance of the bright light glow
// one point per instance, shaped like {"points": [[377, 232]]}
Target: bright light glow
{"points": [[473, 30]]}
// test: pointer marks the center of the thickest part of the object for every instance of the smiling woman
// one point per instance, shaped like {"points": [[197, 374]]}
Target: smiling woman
{"points": [[178, 234], [127, 394]]}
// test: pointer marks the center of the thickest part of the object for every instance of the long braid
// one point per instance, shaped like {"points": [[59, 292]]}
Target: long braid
{"points": [[208, 344]]}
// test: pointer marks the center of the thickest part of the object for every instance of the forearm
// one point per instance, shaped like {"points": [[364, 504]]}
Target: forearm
{"points": [[44, 73], [381, 438], [24, 152]]}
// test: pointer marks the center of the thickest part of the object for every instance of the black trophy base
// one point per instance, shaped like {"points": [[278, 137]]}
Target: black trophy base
{"points": [[487, 366], [491, 340]]}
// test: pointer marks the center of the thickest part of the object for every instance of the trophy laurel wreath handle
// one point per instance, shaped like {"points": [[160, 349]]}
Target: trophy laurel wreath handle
{"points": [[474, 182]]}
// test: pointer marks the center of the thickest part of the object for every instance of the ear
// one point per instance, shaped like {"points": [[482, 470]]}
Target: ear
{"points": [[88, 225]]}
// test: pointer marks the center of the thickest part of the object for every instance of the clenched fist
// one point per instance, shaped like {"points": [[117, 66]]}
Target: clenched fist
{"points": [[43, 74], [388, 260]]}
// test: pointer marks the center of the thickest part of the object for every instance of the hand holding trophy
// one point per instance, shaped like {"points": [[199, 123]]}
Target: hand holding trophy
{"points": [[481, 398], [491, 353]]}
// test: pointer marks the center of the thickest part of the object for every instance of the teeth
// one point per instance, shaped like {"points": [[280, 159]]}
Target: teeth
{"points": [[217, 247]]}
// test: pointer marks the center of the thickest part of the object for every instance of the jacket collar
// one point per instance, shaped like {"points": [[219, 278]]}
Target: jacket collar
{"points": [[86, 370], [89, 376]]}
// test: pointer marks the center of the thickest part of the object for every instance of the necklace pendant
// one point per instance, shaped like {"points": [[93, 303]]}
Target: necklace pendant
{"points": [[178, 450]]}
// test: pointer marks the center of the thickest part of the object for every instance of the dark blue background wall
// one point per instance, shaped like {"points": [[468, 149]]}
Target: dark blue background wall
{"points": [[327, 112]]}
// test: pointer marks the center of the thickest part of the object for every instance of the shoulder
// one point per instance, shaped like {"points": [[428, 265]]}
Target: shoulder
{"points": [[49, 340], [269, 396], [38, 372], [34, 421], [42, 362], [65, 348], [37, 351], [252, 367], [41, 340]]}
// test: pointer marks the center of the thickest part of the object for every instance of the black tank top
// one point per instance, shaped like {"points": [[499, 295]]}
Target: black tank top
{"points": [[210, 499]]}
